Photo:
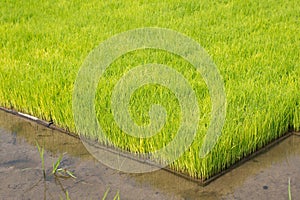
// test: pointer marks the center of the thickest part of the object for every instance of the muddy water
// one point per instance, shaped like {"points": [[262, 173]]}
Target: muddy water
{"points": [[21, 177]]}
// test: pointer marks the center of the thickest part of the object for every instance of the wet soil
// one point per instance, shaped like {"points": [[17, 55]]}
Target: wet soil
{"points": [[21, 176]]}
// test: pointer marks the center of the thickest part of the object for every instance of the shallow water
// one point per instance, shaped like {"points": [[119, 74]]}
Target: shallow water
{"points": [[264, 177]]}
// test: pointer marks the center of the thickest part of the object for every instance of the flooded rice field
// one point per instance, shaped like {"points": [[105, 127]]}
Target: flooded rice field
{"points": [[266, 176]]}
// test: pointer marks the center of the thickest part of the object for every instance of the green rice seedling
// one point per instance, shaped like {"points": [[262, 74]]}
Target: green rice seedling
{"points": [[116, 197], [62, 172], [105, 194], [289, 189], [56, 165], [67, 196], [41, 152], [254, 44], [65, 173]]}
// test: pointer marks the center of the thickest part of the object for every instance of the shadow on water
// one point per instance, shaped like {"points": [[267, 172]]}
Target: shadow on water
{"points": [[264, 177]]}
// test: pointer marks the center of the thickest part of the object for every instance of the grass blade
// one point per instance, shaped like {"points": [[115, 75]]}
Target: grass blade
{"points": [[117, 197], [71, 174], [41, 151], [105, 194], [289, 190], [56, 165]]}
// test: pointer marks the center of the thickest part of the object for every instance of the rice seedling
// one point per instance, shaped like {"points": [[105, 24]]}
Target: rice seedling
{"points": [[41, 152], [116, 197], [254, 44], [56, 170], [56, 165], [289, 189], [105, 194], [61, 172], [67, 196]]}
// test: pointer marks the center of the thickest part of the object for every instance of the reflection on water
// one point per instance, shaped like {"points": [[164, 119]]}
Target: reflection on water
{"points": [[264, 177]]}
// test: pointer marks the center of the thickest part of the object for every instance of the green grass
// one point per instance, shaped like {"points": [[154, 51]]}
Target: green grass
{"points": [[255, 45]]}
